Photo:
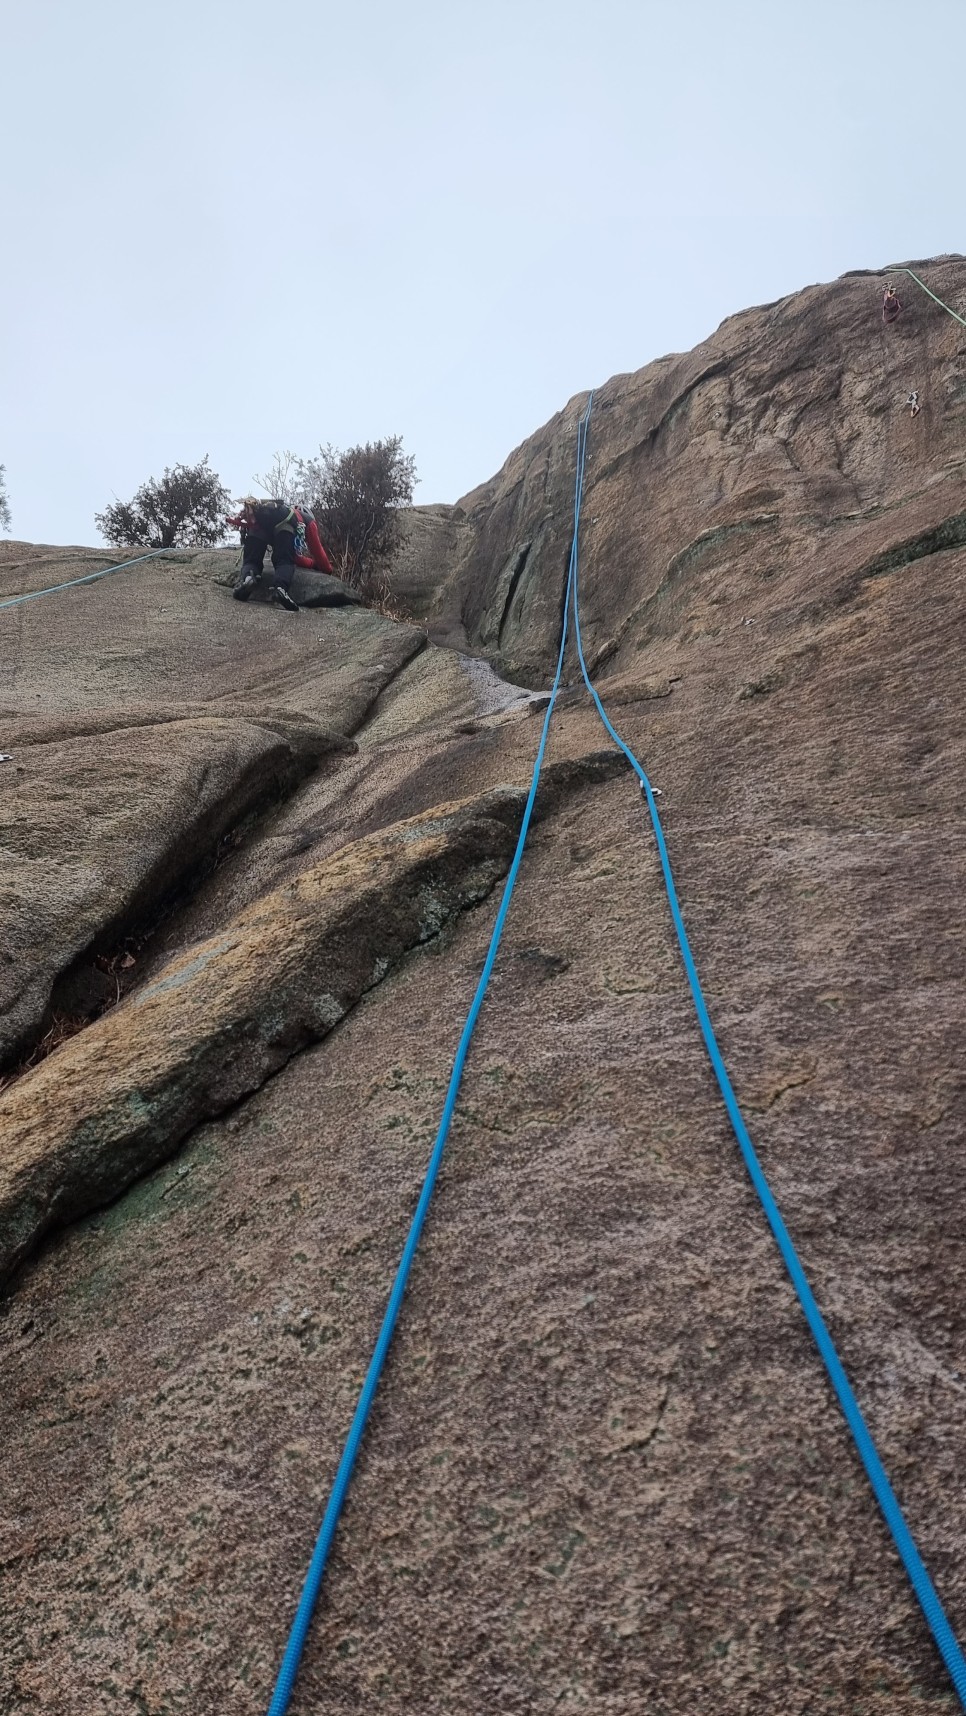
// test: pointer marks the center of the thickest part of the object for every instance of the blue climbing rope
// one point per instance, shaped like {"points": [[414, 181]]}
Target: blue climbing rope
{"points": [[932, 1608], [313, 1581], [925, 1591], [89, 578]]}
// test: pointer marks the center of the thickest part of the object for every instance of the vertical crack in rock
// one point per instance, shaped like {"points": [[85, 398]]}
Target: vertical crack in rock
{"points": [[514, 585], [93, 851]]}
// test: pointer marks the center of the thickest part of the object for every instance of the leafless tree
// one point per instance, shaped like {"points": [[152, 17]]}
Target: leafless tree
{"points": [[285, 479]]}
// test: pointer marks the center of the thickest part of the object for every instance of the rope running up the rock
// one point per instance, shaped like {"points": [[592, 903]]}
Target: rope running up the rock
{"points": [[932, 1608], [954, 313], [89, 578], [313, 1580]]}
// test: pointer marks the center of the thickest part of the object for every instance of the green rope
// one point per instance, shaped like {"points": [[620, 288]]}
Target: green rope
{"points": [[954, 313]]}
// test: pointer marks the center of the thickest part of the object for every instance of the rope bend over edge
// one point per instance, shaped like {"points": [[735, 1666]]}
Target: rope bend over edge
{"points": [[899, 269]]}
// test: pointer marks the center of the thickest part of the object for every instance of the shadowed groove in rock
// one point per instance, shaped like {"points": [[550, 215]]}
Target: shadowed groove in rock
{"points": [[81, 867], [220, 1018], [708, 540], [517, 570], [951, 533], [116, 1100]]}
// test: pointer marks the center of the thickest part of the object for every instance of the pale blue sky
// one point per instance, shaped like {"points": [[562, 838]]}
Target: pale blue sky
{"points": [[235, 227]]}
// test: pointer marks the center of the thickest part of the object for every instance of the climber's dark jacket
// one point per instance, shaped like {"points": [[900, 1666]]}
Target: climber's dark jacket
{"points": [[267, 517]]}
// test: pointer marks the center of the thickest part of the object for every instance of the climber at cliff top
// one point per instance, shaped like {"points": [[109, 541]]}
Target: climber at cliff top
{"points": [[891, 306], [293, 536]]}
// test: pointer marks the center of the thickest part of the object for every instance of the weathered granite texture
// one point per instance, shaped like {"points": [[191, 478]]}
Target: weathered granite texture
{"points": [[777, 458], [216, 1023], [605, 1472]]}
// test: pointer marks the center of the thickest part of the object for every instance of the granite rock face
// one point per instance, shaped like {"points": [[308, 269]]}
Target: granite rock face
{"points": [[310, 589], [604, 1470], [147, 718], [96, 827], [217, 1022], [317, 590], [777, 458]]}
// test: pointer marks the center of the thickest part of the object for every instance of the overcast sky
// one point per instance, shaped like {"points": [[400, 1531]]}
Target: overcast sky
{"points": [[235, 227]]}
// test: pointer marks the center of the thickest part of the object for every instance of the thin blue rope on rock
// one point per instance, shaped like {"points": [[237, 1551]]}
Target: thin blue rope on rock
{"points": [[285, 1682], [932, 1608], [88, 578]]}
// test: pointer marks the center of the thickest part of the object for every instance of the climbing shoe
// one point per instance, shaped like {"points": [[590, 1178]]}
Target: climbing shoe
{"points": [[284, 598], [245, 585]]}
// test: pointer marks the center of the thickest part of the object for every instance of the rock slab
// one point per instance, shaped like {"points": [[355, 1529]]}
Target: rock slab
{"points": [[113, 1102]]}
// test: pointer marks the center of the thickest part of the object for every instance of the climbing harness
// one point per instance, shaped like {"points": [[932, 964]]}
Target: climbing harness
{"points": [[313, 1580], [954, 313], [932, 1608], [89, 578]]}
